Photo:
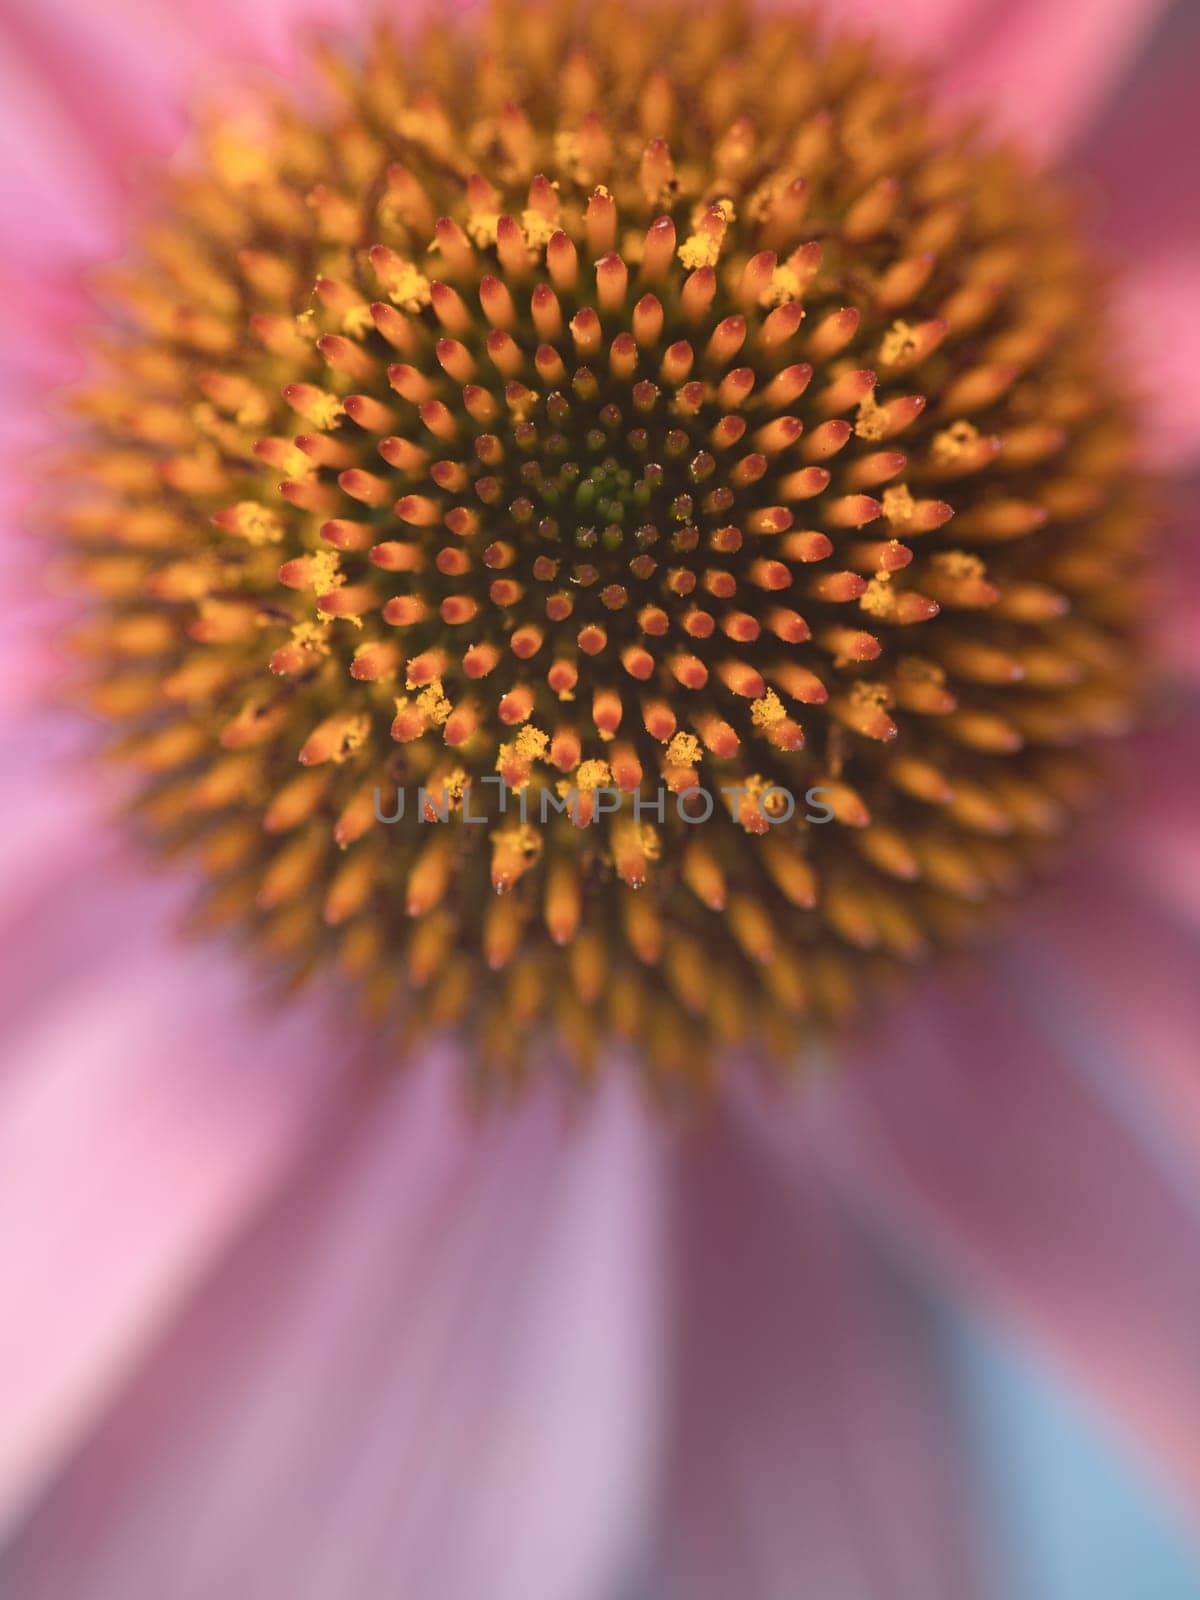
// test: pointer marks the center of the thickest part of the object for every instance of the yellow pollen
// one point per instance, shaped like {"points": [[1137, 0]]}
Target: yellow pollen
{"points": [[531, 743], [863, 693], [358, 322], [765, 198], [405, 285], [871, 422], [768, 710], [568, 154], [899, 341], [958, 564], [253, 414], [650, 841], [481, 227], [324, 413], [898, 504], [703, 247], [354, 735], [537, 227], [700, 250], [918, 669], [312, 636], [256, 523], [433, 704], [324, 572], [293, 463], [593, 775], [785, 285], [456, 783], [756, 787], [879, 598], [948, 444], [683, 750]]}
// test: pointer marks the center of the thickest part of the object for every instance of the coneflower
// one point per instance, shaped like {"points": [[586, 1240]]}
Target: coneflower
{"points": [[633, 400]]}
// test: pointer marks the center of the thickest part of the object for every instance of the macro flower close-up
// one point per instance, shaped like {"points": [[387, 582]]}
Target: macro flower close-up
{"points": [[599, 901]]}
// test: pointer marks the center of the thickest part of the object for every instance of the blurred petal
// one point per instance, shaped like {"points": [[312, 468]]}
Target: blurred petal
{"points": [[94, 94], [124, 73], [1134, 160], [51, 934], [146, 1107], [432, 1371], [1158, 312], [1112, 981], [1107, 961], [1144, 192], [1074, 1519], [43, 157], [928, 27], [978, 1143], [1044, 71], [114, 71], [812, 1432], [1177, 630], [1163, 850], [145, 1111]]}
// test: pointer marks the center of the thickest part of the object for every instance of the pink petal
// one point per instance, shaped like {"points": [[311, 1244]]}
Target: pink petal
{"points": [[814, 1450], [432, 1371], [1176, 600], [145, 1112], [1146, 201], [43, 155], [1162, 851], [49, 932], [1044, 71], [115, 72], [92, 96], [931, 28], [1143, 190], [1158, 314], [1107, 960], [1113, 982], [966, 1131]]}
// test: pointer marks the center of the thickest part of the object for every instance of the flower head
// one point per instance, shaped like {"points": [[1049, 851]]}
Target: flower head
{"points": [[600, 435]]}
